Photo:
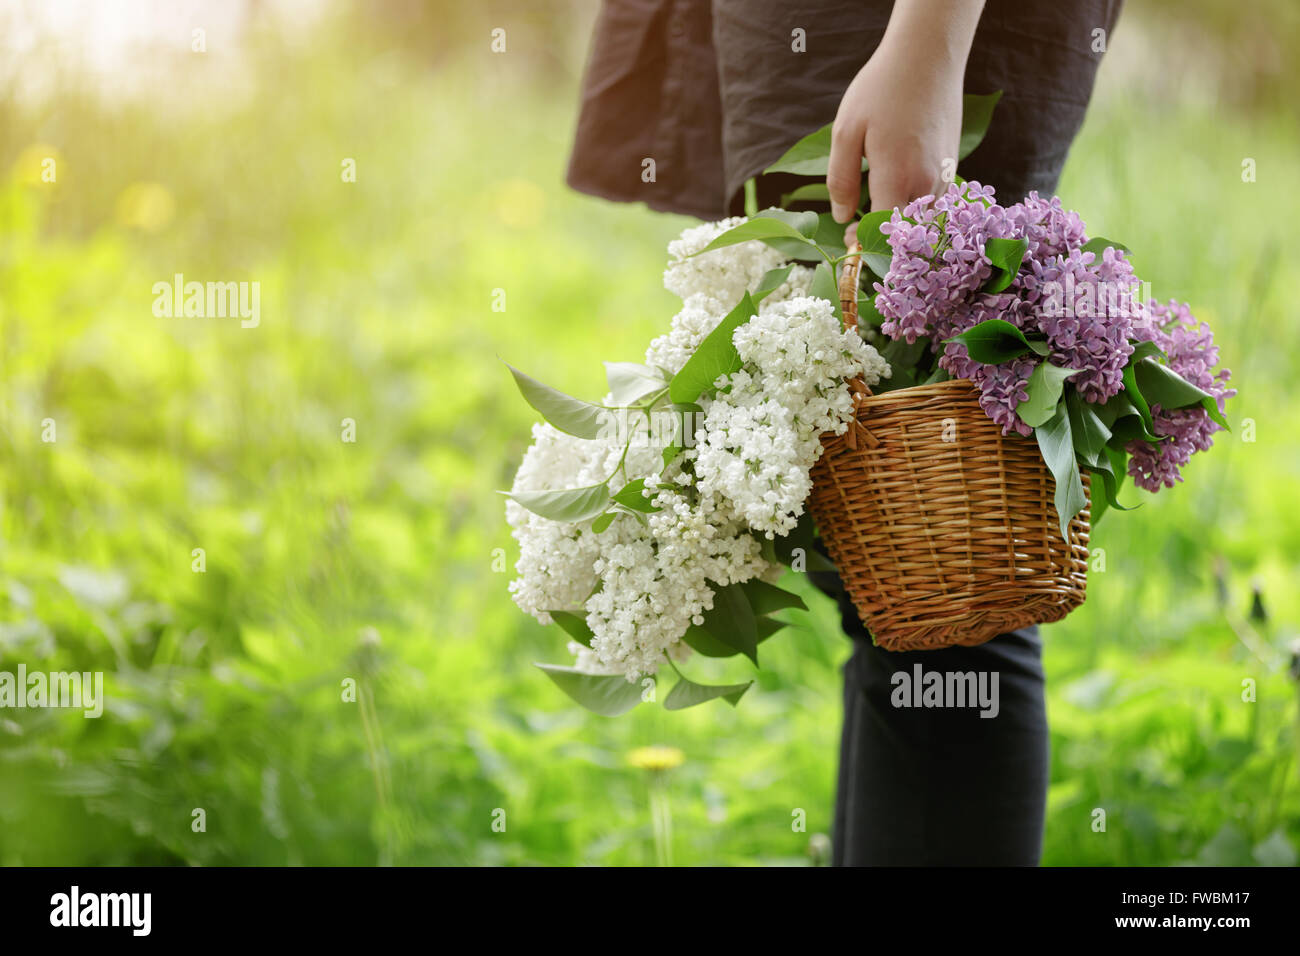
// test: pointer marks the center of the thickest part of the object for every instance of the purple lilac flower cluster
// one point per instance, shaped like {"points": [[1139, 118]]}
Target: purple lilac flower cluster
{"points": [[1084, 304], [1189, 344]]}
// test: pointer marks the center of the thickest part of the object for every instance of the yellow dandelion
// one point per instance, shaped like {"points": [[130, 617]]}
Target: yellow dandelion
{"points": [[145, 206], [655, 758]]}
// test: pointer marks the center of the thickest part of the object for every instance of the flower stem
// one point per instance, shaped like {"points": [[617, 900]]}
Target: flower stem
{"points": [[661, 817]]}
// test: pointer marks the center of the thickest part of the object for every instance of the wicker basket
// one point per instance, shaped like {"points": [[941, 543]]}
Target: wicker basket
{"points": [[942, 528]]}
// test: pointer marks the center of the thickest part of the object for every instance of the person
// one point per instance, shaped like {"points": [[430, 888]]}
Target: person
{"points": [[714, 91]]}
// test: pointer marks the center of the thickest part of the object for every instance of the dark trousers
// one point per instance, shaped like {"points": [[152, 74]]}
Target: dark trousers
{"points": [[940, 785]]}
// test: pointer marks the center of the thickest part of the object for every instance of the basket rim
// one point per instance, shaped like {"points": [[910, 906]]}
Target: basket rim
{"points": [[903, 396]]}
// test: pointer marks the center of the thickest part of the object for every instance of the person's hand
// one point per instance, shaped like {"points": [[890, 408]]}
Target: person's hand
{"points": [[903, 109]]}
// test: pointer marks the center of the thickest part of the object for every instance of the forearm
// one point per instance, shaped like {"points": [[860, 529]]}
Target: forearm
{"points": [[937, 34]]}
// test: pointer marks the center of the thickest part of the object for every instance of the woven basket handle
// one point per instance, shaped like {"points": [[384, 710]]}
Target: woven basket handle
{"points": [[849, 287], [849, 302]]}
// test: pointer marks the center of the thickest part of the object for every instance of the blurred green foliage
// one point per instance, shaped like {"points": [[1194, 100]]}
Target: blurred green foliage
{"points": [[377, 561]]}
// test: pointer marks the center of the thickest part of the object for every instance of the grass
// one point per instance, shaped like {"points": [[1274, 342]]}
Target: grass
{"points": [[347, 681]]}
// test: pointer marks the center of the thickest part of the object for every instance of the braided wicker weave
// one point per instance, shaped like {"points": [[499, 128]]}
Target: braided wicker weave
{"points": [[942, 528]]}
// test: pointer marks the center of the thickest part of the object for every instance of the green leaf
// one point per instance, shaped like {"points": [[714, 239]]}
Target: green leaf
{"points": [[772, 280], [1109, 466], [810, 156], [870, 238], [1045, 385], [1143, 350], [1088, 430], [760, 227], [577, 418], [634, 512], [1097, 245], [1135, 397], [687, 693], [606, 694], [630, 382], [715, 356], [731, 621], [803, 538], [876, 252], [976, 113], [573, 504], [631, 496], [830, 235], [811, 192], [1005, 255], [868, 314], [1122, 417], [797, 250], [767, 626], [574, 625], [805, 223], [993, 342], [900, 378], [702, 642], [603, 521], [813, 559], [1162, 386], [827, 241], [823, 287], [938, 375], [904, 360], [767, 598], [1130, 428], [903, 354], [877, 264], [687, 418], [1116, 407], [1057, 446], [1100, 503]]}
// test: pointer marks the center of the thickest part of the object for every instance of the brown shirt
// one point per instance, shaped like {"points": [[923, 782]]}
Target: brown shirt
{"points": [[683, 100]]}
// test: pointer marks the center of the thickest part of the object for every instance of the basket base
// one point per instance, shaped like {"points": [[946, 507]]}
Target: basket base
{"points": [[969, 629]]}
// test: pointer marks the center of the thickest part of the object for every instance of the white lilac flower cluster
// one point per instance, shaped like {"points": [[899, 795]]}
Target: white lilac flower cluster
{"points": [[762, 433], [642, 584]]}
